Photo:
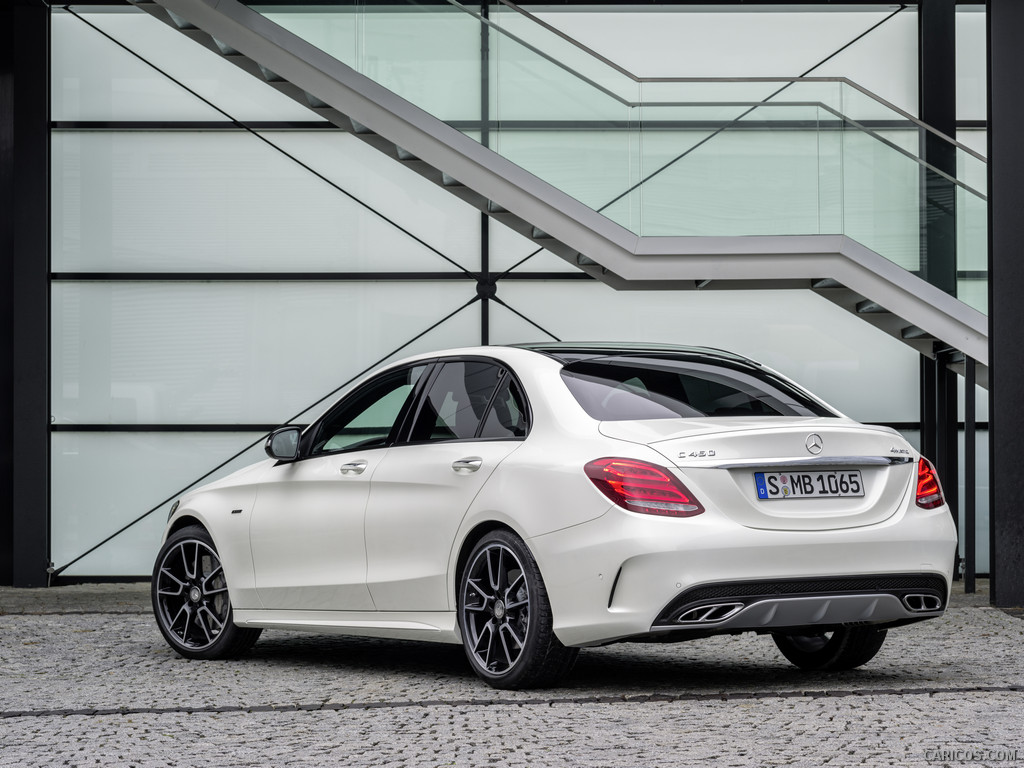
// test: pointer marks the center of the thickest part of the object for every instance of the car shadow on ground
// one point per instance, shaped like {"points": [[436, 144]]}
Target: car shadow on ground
{"points": [[357, 654], [635, 671], [620, 669]]}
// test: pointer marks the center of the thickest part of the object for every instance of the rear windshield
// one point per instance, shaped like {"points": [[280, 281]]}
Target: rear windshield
{"points": [[628, 389]]}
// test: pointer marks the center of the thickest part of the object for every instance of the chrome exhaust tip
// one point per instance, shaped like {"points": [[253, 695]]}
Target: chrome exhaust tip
{"points": [[922, 603], [709, 614]]}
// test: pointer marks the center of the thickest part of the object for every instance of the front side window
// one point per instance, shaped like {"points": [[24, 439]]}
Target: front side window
{"points": [[470, 399], [628, 389], [366, 418]]}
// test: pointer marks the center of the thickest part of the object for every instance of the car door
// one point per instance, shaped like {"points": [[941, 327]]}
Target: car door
{"points": [[306, 531], [472, 416]]}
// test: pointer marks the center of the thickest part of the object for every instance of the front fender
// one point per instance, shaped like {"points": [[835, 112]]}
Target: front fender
{"points": [[225, 514]]}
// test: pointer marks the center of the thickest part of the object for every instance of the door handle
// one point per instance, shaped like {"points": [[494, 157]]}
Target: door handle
{"points": [[353, 467], [468, 464]]}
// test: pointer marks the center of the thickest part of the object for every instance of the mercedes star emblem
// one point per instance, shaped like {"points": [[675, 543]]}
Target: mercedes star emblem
{"points": [[814, 443]]}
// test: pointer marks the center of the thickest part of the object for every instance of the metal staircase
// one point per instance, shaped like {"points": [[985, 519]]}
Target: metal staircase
{"points": [[837, 267]]}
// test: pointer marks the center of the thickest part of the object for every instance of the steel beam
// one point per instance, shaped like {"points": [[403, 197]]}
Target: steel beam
{"points": [[1006, 310], [24, 295]]}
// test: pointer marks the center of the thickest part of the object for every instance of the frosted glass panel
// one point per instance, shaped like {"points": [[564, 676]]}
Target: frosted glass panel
{"points": [[428, 56], [460, 330], [211, 201], [884, 61], [980, 401], [102, 481], [434, 215], [227, 353], [836, 355], [971, 64], [982, 497], [973, 292], [92, 78], [976, 139]]}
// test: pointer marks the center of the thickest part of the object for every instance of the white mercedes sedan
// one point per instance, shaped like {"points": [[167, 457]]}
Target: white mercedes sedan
{"points": [[529, 501]]}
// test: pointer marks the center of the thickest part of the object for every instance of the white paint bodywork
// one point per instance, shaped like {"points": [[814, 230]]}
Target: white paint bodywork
{"points": [[307, 547]]}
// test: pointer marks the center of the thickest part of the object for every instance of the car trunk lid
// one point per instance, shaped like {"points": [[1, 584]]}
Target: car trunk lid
{"points": [[783, 473]]}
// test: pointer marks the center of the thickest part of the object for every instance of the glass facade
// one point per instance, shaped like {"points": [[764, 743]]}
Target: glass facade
{"points": [[211, 282]]}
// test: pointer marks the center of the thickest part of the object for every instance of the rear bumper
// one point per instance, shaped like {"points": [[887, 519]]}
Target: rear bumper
{"points": [[627, 576], [778, 605]]}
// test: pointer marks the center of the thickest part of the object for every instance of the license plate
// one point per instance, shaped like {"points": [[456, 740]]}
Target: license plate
{"points": [[808, 485]]}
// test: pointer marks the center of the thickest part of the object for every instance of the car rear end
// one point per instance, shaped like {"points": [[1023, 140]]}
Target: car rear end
{"points": [[775, 514]]}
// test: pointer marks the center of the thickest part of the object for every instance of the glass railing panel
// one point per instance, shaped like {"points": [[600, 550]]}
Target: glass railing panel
{"points": [[867, 110], [675, 156], [429, 55], [653, 193], [574, 134], [593, 166], [568, 131], [972, 237], [972, 223], [527, 86], [881, 195], [830, 135], [508, 24], [758, 174]]}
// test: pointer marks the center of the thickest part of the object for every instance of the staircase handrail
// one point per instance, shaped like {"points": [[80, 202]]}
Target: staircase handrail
{"points": [[643, 79]]}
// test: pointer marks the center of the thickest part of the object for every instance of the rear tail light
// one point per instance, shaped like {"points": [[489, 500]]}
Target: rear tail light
{"points": [[642, 487], [929, 490]]}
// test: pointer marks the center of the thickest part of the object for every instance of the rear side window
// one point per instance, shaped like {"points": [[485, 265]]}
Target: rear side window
{"points": [[471, 400], [507, 415], [629, 389]]}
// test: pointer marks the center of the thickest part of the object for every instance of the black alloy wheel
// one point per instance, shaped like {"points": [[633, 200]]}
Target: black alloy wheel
{"points": [[191, 600], [505, 617]]}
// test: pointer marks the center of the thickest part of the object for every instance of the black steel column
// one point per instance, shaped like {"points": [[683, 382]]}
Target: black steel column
{"points": [[486, 285], [970, 475], [937, 107], [937, 103], [24, 292], [1006, 308], [947, 448], [929, 409]]}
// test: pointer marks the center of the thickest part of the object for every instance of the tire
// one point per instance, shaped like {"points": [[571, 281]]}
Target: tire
{"points": [[844, 648], [191, 600], [505, 617]]}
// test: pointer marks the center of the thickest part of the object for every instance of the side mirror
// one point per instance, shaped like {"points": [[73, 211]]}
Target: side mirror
{"points": [[283, 444]]}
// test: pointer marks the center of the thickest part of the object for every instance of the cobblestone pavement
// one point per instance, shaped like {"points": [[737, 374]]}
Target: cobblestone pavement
{"points": [[86, 679]]}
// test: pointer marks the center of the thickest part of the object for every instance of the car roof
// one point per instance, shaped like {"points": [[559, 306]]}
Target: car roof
{"points": [[570, 351]]}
